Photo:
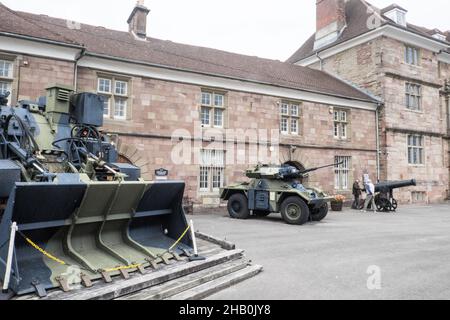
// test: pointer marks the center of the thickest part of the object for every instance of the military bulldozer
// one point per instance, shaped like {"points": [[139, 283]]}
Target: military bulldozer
{"points": [[76, 213], [275, 189]]}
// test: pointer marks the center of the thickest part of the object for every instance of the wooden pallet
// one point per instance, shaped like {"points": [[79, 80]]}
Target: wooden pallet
{"points": [[224, 266]]}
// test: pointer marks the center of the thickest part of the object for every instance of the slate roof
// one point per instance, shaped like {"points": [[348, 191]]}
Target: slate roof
{"points": [[123, 45], [358, 12]]}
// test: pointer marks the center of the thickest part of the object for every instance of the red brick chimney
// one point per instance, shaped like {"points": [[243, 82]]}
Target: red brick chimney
{"points": [[137, 22], [330, 21]]}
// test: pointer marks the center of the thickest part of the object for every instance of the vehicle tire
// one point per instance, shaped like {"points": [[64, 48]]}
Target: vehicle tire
{"points": [[295, 211], [238, 206], [320, 214], [261, 214]]}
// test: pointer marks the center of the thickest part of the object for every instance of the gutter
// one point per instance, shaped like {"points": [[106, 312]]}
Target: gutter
{"points": [[42, 40]]}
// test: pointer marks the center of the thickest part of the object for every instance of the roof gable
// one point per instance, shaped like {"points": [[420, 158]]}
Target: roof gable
{"points": [[360, 15]]}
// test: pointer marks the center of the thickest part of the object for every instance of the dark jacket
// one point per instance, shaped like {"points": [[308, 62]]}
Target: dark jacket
{"points": [[356, 189]]}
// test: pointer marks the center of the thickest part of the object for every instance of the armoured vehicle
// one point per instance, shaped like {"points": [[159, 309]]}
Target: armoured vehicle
{"points": [[80, 215], [385, 200], [274, 189]]}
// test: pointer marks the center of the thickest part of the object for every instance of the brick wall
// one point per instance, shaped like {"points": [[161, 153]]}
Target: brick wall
{"points": [[31, 75], [38, 73], [379, 66], [159, 108]]}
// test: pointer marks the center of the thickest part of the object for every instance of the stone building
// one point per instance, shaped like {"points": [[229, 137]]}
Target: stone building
{"points": [[407, 67], [207, 115]]}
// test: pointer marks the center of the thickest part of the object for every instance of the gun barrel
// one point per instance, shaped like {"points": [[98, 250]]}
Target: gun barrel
{"points": [[318, 168], [390, 185]]}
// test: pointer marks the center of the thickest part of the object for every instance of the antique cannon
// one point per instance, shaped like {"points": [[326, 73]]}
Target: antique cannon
{"points": [[384, 199]]}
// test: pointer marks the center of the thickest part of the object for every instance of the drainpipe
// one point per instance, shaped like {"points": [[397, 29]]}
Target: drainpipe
{"points": [[321, 61], [75, 71], [377, 125]]}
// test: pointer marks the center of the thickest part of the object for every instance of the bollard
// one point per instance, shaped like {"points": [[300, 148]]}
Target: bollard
{"points": [[195, 257], [12, 239]]}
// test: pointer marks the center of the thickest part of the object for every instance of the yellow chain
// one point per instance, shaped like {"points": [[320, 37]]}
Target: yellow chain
{"points": [[45, 253], [180, 238], [134, 266]]}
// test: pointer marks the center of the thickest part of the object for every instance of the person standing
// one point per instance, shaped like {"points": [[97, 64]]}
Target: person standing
{"points": [[370, 199], [357, 192]]}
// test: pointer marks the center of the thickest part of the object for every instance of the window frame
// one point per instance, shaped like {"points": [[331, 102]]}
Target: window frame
{"points": [[107, 98], [210, 170], [342, 173], [415, 55], [8, 79], [10, 75], [287, 115], [8, 86], [415, 150], [126, 88], [116, 101], [410, 93], [341, 124], [114, 97], [213, 108], [102, 91]]}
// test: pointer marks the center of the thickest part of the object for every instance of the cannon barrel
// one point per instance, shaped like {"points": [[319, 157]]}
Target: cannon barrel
{"points": [[390, 185]]}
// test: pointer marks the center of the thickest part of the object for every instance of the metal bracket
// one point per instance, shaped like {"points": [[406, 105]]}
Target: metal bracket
{"points": [[177, 256], [63, 284], [106, 276], [39, 288], [124, 273], [153, 264], [165, 260], [86, 280], [141, 269], [186, 252]]}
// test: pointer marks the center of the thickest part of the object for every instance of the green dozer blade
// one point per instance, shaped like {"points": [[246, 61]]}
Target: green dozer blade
{"points": [[90, 228]]}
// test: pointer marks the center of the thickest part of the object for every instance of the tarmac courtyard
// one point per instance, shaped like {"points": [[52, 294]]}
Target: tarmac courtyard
{"points": [[350, 255]]}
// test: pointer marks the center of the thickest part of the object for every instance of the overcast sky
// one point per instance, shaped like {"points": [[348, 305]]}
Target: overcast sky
{"points": [[266, 28]]}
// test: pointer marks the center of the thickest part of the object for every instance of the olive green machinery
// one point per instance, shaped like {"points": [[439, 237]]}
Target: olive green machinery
{"points": [[79, 214], [274, 189]]}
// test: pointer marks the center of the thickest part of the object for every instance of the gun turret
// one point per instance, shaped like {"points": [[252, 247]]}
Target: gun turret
{"points": [[285, 172]]}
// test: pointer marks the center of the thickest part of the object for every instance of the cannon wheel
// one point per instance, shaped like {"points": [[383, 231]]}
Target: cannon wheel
{"points": [[394, 205], [383, 205]]}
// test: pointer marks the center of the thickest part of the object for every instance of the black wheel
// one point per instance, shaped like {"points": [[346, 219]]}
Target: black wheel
{"points": [[394, 205], [295, 211], [320, 214], [261, 214], [383, 205], [238, 206]]}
